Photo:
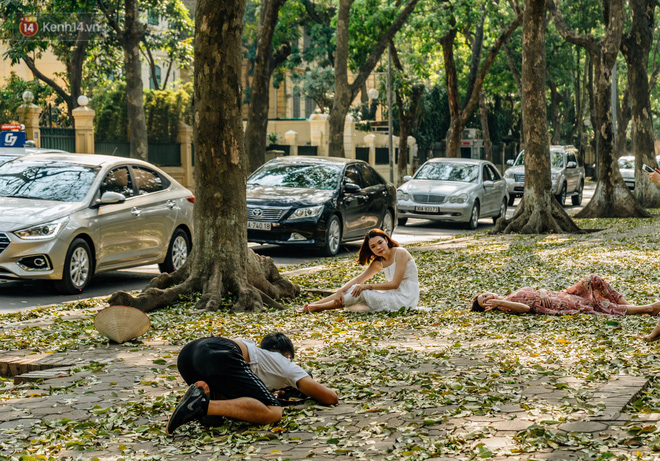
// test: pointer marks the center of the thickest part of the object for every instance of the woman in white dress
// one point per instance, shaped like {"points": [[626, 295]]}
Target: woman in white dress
{"points": [[379, 252]]}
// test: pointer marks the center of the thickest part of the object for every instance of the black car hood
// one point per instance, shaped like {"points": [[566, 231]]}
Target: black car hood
{"points": [[287, 196]]}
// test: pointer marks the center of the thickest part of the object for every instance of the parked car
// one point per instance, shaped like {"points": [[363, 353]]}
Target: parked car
{"points": [[9, 153], [66, 217], [453, 190], [317, 201], [627, 169], [567, 174]]}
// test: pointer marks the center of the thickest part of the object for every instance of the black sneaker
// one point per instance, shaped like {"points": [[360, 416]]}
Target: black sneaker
{"points": [[193, 405]]}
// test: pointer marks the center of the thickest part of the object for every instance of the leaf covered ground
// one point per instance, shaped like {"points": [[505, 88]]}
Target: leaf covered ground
{"points": [[412, 385]]}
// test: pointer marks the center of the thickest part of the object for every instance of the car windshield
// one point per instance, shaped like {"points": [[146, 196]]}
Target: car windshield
{"points": [[627, 163], [556, 159], [444, 171], [62, 182], [297, 175]]}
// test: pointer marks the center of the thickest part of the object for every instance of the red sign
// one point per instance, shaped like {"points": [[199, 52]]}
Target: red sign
{"points": [[28, 26], [11, 126]]}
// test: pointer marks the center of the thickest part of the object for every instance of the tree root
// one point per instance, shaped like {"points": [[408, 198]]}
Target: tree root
{"points": [[548, 218], [261, 285]]}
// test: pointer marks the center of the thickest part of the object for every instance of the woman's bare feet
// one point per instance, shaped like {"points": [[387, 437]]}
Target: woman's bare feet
{"points": [[656, 307], [305, 308]]}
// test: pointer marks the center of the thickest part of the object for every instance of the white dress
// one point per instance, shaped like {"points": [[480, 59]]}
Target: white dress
{"points": [[407, 295]]}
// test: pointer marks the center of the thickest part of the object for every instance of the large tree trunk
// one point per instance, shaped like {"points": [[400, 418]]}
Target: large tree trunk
{"points": [[539, 211], [346, 92], [636, 47], [221, 263], [137, 126], [612, 199], [256, 129]]}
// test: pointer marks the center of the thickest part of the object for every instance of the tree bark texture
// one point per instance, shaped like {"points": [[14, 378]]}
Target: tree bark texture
{"points": [[636, 46], [460, 116], [485, 130], [612, 199], [539, 212], [346, 92], [256, 130], [221, 265], [137, 126]]}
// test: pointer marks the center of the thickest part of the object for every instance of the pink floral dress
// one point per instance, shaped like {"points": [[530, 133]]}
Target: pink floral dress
{"points": [[591, 295]]}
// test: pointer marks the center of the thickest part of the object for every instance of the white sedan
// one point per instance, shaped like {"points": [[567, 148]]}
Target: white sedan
{"points": [[453, 190]]}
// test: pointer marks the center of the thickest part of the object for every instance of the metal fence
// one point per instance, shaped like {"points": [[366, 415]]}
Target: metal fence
{"points": [[159, 154], [58, 138]]}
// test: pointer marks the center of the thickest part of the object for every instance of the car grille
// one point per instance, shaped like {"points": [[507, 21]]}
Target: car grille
{"points": [[266, 214], [426, 198], [4, 242], [519, 177]]}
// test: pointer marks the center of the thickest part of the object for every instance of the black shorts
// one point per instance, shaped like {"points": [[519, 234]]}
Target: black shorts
{"points": [[220, 364]]}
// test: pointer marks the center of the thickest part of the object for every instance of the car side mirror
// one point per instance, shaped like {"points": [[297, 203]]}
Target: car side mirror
{"points": [[509, 162], [110, 198], [407, 178], [351, 187], [571, 165], [488, 183]]}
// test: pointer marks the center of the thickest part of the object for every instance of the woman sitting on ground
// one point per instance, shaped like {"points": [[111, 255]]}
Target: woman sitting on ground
{"points": [[380, 252], [591, 295]]}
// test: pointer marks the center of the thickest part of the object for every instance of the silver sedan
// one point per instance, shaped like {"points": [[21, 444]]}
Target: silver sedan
{"points": [[64, 217], [453, 190]]}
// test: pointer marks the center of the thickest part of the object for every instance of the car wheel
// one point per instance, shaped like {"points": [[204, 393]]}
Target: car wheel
{"points": [[474, 217], [77, 268], [402, 221], [388, 224], [332, 237], [561, 197], [512, 198], [576, 199], [502, 211], [177, 252]]}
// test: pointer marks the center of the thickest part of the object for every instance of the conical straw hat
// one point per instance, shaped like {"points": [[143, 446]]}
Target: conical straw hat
{"points": [[121, 323]]}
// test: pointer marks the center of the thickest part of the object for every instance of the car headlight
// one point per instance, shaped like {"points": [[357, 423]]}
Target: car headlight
{"points": [[310, 212], [460, 198], [554, 176], [401, 195], [508, 174], [42, 231]]}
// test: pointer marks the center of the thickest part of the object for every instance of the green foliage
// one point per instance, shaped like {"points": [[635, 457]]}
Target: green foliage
{"points": [[163, 110], [11, 96]]}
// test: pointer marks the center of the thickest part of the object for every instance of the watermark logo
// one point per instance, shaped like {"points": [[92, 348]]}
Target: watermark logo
{"points": [[29, 26], [62, 27]]}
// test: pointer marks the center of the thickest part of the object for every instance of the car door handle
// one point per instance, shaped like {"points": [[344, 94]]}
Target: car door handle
{"points": [[136, 211], [170, 204]]}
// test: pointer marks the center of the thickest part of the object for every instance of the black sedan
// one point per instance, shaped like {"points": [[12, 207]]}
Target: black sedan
{"points": [[317, 201]]}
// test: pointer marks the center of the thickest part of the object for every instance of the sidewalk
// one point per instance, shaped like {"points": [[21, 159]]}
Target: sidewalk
{"points": [[88, 389]]}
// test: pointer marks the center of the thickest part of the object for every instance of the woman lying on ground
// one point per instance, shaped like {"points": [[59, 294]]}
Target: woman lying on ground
{"points": [[591, 295], [380, 252]]}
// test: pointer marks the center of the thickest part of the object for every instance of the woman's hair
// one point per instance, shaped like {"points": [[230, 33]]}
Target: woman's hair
{"points": [[476, 307], [366, 256], [277, 342]]}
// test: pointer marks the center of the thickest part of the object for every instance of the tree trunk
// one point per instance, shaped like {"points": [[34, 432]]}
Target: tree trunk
{"points": [[636, 47], [256, 130], [538, 212], [555, 98], [345, 93], [485, 130], [134, 97], [612, 198], [460, 116], [221, 266]]}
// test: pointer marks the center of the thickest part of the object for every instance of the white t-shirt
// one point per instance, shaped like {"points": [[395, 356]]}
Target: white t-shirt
{"points": [[275, 370]]}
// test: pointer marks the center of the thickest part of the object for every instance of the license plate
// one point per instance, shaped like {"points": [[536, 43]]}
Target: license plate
{"points": [[257, 225], [426, 209]]}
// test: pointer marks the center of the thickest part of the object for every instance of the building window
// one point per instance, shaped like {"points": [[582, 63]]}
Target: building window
{"points": [[152, 18], [151, 78], [296, 102], [310, 105]]}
